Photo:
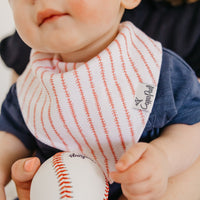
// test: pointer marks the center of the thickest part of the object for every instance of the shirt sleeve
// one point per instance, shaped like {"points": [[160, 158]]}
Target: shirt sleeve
{"points": [[185, 91], [178, 97], [11, 120], [178, 94]]}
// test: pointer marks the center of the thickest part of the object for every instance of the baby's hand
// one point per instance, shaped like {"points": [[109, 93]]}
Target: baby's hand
{"points": [[143, 172]]}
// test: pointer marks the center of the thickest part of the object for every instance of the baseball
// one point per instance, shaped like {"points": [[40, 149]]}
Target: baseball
{"points": [[69, 176]]}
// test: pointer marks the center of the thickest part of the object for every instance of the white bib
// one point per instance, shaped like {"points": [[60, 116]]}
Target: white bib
{"points": [[98, 108]]}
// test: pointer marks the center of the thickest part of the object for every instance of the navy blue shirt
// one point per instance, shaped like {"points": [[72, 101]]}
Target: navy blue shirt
{"points": [[177, 101]]}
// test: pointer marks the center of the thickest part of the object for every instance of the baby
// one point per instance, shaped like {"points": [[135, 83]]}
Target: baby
{"points": [[103, 89]]}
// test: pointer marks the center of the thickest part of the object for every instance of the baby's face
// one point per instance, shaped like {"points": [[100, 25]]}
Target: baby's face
{"points": [[66, 26]]}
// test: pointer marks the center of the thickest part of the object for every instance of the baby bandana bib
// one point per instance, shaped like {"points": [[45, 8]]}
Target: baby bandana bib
{"points": [[98, 108]]}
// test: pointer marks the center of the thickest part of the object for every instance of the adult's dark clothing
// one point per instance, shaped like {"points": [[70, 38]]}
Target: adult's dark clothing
{"points": [[177, 28]]}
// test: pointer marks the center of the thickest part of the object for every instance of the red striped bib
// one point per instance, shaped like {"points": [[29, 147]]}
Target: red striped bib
{"points": [[98, 108]]}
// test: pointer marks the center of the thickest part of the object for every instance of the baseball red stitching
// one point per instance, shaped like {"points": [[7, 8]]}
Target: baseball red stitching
{"points": [[65, 186], [106, 191], [62, 176]]}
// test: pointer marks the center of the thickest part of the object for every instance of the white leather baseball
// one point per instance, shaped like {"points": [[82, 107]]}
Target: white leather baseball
{"points": [[69, 176]]}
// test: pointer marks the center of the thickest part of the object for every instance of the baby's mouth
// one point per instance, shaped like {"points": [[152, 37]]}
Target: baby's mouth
{"points": [[48, 15]]}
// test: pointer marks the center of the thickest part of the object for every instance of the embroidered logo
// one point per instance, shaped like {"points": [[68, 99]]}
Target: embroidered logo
{"points": [[144, 97]]}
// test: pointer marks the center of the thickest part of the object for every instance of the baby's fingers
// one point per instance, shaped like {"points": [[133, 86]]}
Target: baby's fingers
{"points": [[137, 189], [131, 156], [134, 174]]}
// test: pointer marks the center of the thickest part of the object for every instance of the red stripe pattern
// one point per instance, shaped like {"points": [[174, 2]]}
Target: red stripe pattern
{"points": [[88, 107]]}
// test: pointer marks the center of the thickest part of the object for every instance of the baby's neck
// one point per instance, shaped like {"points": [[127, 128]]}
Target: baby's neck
{"points": [[92, 50]]}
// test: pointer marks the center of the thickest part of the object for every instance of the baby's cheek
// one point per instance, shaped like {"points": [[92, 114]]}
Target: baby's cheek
{"points": [[79, 7], [29, 35], [87, 10]]}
